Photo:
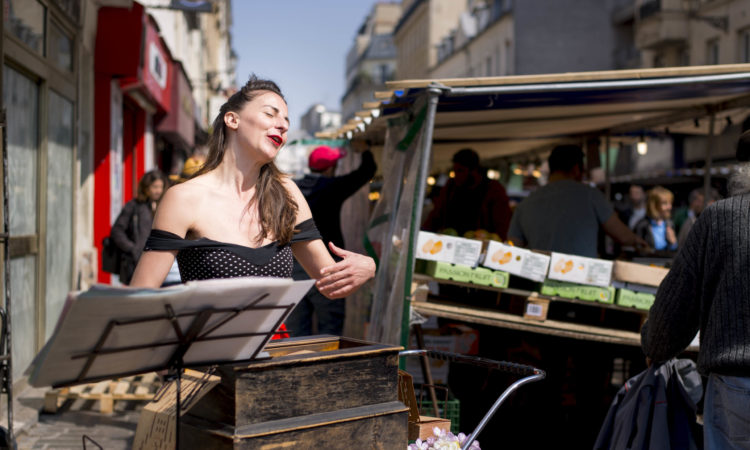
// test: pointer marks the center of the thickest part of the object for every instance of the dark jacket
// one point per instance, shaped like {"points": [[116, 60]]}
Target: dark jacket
{"points": [[655, 410], [325, 195], [643, 229], [707, 289], [130, 231], [485, 206]]}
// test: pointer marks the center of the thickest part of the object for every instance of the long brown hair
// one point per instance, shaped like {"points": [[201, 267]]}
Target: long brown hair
{"points": [[277, 209], [147, 180]]}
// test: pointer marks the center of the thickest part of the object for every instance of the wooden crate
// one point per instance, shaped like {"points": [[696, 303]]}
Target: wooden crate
{"points": [[136, 388], [314, 392]]}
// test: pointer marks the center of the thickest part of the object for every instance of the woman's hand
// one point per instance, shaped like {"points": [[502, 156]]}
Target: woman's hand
{"points": [[345, 277], [671, 237]]}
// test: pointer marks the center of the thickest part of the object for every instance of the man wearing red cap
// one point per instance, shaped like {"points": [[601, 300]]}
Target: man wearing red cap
{"points": [[325, 194]]}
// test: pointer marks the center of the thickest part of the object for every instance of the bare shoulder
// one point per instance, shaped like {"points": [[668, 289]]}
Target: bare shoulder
{"points": [[178, 208], [291, 186], [303, 209]]}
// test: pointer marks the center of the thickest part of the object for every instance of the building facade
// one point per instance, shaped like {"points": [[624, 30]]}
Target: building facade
{"points": [[695, 32], [371, 60], [422, 26], [88, 85], [503, 37], [319, 118]]}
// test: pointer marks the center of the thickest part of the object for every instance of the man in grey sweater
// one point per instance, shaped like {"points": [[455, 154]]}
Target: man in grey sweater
{"points": [[708, 289]]}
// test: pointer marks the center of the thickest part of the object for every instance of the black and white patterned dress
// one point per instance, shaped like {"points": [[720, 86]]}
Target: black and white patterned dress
{"points": [[204, 259]]}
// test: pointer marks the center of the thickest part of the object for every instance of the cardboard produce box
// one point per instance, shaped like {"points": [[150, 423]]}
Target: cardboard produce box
{"points": [[450, 249], [638, 273], [580, 270], [517, 261]]}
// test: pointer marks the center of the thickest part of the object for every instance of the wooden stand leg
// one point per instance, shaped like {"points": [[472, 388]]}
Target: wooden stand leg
{"points": [[427, 374]]}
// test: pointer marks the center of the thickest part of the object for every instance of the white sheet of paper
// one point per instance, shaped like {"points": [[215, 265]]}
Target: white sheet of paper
{"points": [[86, 315]]}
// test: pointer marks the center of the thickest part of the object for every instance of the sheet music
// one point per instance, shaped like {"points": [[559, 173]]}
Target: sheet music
{"points": [[85, 316]]}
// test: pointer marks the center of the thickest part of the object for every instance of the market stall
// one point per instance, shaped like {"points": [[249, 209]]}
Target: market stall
{"points": [[422, 123]]}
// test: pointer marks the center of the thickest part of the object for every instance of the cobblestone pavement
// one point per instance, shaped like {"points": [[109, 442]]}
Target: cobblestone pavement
{"points": [[66, 428]]}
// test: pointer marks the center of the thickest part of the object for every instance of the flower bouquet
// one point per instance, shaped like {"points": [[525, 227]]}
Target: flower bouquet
{"points": [[443, 440]]}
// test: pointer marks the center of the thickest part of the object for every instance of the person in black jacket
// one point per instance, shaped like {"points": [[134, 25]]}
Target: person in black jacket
{"points": [[133, 225], [325, 194], [706, 290]]}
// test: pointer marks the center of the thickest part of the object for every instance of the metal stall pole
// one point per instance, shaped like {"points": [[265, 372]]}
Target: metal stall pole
{"points": [[433, 92], [6, 343], [607, 183], [710, 143]]}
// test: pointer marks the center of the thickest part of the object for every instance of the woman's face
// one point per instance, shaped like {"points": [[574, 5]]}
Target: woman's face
{"points": [[155, 190], [262, 125], [665, 207]]}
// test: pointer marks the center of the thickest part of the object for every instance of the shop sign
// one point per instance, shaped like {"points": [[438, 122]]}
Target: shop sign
{"points": [[179, 121], [156, 73], [157, 65], [199, 6]]}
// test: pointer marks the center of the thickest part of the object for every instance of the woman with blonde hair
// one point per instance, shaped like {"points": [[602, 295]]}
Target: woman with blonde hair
{"points": [[239, 215], [657, 228]]}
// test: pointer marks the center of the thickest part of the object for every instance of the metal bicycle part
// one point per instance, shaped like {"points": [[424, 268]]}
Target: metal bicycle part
{"points": [[530, 374]]}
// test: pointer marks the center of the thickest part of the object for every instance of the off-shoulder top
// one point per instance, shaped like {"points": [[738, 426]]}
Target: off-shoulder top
{"points": [[203, 259]]}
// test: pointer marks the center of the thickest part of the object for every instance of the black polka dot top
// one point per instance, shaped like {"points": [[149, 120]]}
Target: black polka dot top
{"points": [[204, 259]]}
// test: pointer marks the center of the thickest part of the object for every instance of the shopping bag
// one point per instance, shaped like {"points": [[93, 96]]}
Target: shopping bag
{"points": [[111, 256]]}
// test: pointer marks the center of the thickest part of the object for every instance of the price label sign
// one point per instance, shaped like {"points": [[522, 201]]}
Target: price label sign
{"points": [[536, 308], [532, 309]]}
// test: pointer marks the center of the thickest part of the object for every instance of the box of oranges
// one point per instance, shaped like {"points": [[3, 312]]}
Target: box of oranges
{"points": [[517, 261], [580, 270], [449, 249]]}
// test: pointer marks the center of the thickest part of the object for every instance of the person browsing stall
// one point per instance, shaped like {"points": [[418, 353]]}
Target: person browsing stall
{"points": [[239, 215], [133, 224], [565, 215], [470, 201], [326, 193], [657, 228], [706, 290]]}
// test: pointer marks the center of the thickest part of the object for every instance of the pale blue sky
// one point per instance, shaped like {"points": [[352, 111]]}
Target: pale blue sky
{"points": [[299, 44]]}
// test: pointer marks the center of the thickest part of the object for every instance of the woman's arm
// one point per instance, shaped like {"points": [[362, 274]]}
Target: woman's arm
{"points": [[173, 215], [335, 279]]}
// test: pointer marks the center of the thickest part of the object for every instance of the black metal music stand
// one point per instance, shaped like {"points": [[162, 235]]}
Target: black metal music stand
{"points": [[185, 329]]}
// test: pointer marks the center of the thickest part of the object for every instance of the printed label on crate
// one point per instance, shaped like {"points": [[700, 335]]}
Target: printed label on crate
{"points": [[450, 249], [579, 269], [517, 261], [533, 309]]}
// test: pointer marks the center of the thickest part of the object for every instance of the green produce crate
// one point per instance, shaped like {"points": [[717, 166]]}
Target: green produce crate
{"points": [[448, 410], [465, 274], [579, 291], [640, 300]]}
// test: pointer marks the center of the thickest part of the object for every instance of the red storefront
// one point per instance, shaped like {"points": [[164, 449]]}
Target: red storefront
{"points": [[133, 89], [175, 133]]}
